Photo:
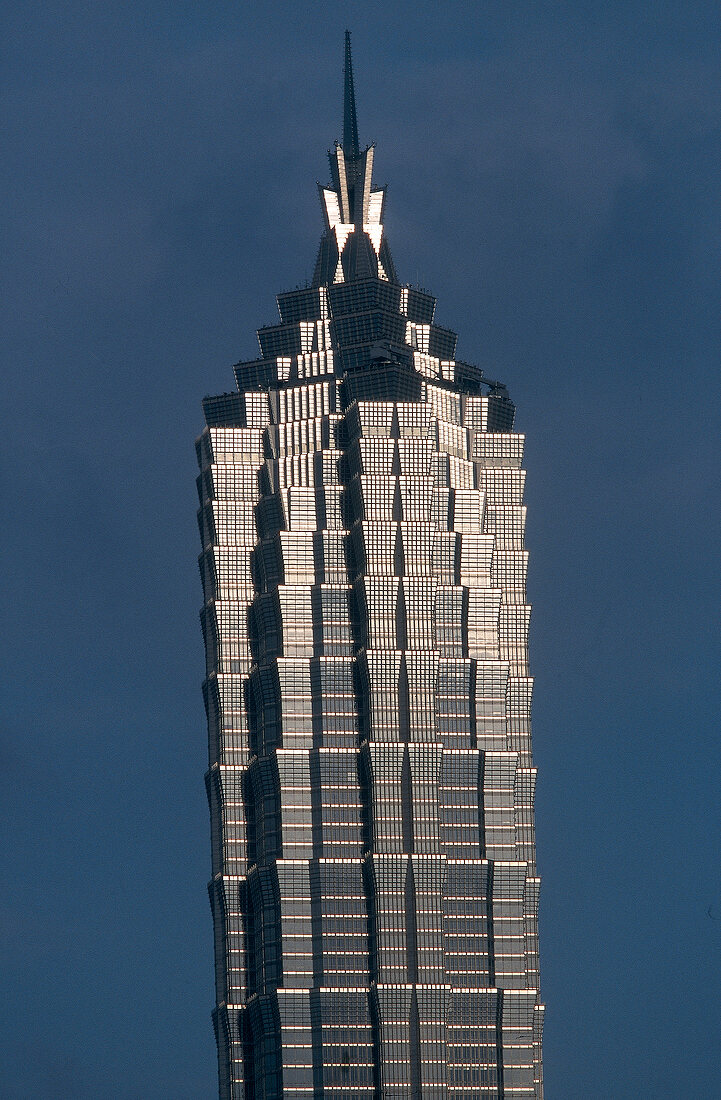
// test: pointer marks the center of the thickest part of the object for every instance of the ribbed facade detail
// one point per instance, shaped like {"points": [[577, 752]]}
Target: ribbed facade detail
{"points": [[371, 784]]}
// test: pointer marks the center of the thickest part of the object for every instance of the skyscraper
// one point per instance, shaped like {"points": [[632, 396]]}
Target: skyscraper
{"points": [[371, 785]]}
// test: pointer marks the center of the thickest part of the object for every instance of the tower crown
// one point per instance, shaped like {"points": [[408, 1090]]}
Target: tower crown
{"points": [[353, 245]]}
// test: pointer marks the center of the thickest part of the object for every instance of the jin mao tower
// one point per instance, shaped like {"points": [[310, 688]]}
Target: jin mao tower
{"points": [[371, 785]]}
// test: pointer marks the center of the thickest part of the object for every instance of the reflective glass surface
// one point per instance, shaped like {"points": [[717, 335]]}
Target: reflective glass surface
{"points": [[371, 784]]}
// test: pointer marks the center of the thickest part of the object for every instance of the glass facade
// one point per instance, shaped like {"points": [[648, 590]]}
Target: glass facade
{"points": [[371, 785]]}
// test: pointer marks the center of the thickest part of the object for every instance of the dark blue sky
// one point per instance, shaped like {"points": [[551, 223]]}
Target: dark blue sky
{"points": [[554, 177]]}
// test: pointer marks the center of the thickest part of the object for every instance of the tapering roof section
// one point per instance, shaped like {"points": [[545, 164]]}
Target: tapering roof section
{"points": [[353, 245]]}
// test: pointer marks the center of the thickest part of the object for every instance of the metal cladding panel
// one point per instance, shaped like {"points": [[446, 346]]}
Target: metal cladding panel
{"points": [[371, 783]]}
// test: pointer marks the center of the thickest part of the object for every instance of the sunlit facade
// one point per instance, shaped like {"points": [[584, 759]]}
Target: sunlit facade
{"points": [[371, 784]]}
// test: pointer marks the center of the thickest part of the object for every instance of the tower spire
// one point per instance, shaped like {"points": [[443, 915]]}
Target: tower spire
{"points": [[353, 245], [350, 123]]}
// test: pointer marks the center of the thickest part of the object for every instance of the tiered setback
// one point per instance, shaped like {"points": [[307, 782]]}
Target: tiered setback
{"points": [[371, 785]]}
